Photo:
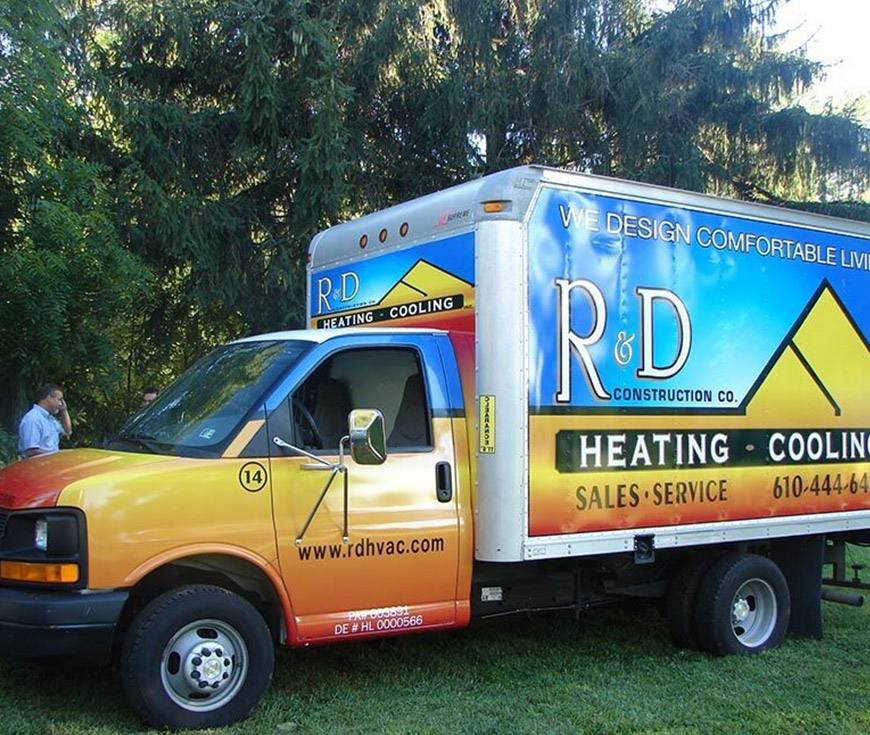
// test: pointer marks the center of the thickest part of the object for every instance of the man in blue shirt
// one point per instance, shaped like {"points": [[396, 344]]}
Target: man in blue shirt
{"points": [[43, 425]]}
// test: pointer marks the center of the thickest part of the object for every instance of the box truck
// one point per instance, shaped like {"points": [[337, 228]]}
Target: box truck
{"points": [[534, 391]]}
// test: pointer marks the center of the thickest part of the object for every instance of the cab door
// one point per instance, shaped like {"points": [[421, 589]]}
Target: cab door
{"points": [[381, 556]]}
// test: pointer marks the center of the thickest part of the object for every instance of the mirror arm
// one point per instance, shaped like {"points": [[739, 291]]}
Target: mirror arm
{"points": [[322, 464], [335, 471], [345, 537], [341, 443]]}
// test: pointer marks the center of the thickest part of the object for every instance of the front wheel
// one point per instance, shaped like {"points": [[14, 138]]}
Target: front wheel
{"points": [[743, 606], [196, 657]]}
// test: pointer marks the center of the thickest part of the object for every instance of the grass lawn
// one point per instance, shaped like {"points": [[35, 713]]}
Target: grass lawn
{"points": [[614, 671]]}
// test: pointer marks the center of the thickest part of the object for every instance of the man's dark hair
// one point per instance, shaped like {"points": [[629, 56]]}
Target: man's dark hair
{"points": [[150, 389], [46, 391]]}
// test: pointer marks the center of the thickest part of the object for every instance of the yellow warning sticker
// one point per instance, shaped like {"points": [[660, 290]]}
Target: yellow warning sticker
{"points": [[486, 412]]}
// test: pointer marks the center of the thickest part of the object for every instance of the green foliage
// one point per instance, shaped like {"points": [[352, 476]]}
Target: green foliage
{"points": [[231, 117], [8, 447], [68, 285], [165, 163]]}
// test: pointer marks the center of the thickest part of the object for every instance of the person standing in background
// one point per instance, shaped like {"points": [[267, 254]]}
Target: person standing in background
{"points": [[43, 425], [148, 395]]}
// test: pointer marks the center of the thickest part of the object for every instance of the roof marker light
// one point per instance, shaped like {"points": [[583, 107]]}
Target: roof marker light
{"points": [[492, 207]]}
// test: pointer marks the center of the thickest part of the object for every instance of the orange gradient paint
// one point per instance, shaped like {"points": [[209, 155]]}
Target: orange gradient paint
{"points": [[168, 509], [37, 482], [590, 501], [402, 552]]}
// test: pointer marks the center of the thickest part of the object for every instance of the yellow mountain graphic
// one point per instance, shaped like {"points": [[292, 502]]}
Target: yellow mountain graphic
{"points": [[821, 371], [426, 281]]}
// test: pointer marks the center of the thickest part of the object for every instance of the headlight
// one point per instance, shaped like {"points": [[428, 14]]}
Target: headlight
{"points": [[40, 534], [54, 534], [44, 546]]}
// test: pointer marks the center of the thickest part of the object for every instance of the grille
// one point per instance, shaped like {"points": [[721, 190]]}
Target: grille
{"points": [[3, 517]]}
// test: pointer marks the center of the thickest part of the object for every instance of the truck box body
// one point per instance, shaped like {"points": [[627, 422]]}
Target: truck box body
{"points": [[646, 362]]}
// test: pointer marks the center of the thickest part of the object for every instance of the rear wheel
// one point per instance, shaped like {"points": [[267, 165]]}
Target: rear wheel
{"points": [[743, 606], [682, 596], [196, 657]]}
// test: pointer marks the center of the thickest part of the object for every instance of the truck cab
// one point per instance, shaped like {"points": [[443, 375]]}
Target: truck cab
{"points": [[240, 481]]}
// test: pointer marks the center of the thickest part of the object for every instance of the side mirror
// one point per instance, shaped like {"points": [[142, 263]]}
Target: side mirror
{"points": [[368, 441]]}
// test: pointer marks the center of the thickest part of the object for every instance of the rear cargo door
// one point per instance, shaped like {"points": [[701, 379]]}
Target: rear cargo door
{"points": [[396, 569]]}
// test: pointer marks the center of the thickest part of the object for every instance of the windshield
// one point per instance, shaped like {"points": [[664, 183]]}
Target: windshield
{"points": [[200, 412]]}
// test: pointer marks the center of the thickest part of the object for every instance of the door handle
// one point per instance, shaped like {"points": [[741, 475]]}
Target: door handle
{"points": [[443, 482]]}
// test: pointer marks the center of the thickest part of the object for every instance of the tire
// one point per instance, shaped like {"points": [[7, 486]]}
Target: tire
{"points": [[196, 657], [682, 595], [743, 606]]}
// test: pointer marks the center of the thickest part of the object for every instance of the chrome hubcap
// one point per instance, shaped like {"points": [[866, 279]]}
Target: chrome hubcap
{"points": [[753, 613], [204, 665], [741, 610]]}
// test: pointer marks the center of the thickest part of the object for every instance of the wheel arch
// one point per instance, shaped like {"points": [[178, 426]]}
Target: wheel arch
{"points": [[254, 580]]}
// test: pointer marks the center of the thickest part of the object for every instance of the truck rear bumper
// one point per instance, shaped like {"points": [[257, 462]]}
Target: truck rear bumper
{"points": [[75, 625]]}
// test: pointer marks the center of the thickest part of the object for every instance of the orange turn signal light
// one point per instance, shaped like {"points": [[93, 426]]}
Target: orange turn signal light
{"points": [[21, 571], [491, 207]]}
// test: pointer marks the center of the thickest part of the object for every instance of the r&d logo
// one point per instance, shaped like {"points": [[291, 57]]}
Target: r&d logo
{"points": [[343, 291], [570, 341]]}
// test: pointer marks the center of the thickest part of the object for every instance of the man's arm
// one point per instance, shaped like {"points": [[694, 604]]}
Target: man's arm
{"points": [[65, 420]]}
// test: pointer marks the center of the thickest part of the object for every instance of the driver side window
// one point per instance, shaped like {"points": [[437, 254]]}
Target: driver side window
{"points": [[390, 380]]}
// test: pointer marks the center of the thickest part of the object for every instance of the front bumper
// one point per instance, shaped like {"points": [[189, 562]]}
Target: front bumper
{"points": [[75, 625]]}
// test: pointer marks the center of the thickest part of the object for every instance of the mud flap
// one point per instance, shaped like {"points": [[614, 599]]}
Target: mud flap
{"points": [[800, 560]]}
